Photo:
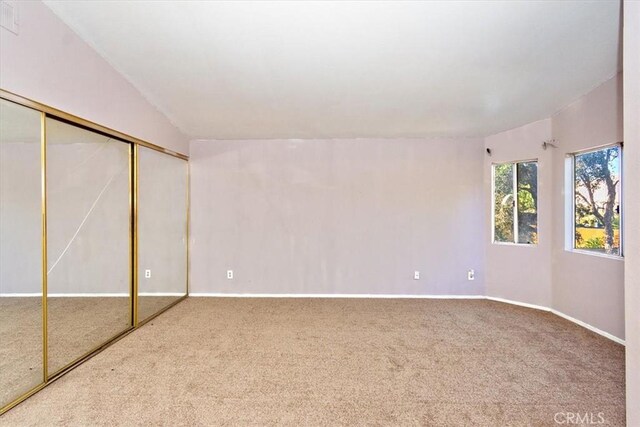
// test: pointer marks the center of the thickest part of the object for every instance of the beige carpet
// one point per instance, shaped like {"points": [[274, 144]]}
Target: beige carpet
{"points": [[20, 346], [150, 305], [226, 361], [76, 326]]}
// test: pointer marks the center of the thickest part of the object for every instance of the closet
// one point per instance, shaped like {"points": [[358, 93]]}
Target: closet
{"points": [[94, 240]]}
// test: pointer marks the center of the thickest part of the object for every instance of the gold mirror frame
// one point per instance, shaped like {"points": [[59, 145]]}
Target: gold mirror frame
{"points": [[50, 112], [136, 250]]}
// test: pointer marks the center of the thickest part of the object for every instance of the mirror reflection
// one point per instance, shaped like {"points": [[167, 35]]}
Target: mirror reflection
{"points": [[162, 231], [88, 245], [21, 353]]}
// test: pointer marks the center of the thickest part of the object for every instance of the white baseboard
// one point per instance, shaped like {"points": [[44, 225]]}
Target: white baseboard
{"points": [[94, 295], [161, 294], [89, 295], [521, 304], [21, 295], [398, 296], [588, 326], [383, 296], [564, 316]]}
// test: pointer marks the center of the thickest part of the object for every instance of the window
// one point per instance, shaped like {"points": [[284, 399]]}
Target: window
{"points": [[515, 202], [596, 200]]}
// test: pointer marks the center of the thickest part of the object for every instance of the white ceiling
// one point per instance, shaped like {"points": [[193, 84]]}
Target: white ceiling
{"points": [[235, 70]]}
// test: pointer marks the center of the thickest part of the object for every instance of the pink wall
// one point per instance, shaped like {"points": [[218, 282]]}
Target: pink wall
{"points": [[49, 63], [521, 272], [632, 204], [337, 216], [587, 287]]}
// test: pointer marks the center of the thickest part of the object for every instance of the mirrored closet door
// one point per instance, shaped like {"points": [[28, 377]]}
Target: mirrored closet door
{"points": [[93, 240], [88, 241], [162, 230], [21, 252]]}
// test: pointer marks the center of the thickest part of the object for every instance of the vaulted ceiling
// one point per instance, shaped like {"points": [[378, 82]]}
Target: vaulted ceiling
{"points": [[239, 70]]}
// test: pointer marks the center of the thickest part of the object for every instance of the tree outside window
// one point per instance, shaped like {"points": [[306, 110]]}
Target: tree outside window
{"points": [[515, 202], [597, 184]]}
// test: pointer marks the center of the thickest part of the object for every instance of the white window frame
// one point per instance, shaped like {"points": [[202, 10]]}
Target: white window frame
{"points": [[515, 201], [570, 202]]}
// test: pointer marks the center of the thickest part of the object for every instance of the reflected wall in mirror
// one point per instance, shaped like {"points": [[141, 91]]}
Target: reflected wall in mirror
{"points": [[88, 225], [162, 230], [21, 352]]}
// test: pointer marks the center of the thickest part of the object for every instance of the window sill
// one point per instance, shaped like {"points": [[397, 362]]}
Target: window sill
{"points": [[596, 254], [522, 245]]}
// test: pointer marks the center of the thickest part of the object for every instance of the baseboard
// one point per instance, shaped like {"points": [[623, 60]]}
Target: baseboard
{"points": [[588, 326], [383, 296], [410, 296], [561, 314], [89, 295], [380, 296], [161, 294], [521, 304], [21, 295], [94, 295]]}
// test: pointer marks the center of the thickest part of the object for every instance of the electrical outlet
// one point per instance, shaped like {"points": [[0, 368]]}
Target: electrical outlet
{"points": [[229, 274], [471, 275], [147, 274], [416, 275]]}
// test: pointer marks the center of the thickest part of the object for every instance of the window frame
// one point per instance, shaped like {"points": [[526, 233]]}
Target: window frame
{"points": [[570, 227], [515, 201]]}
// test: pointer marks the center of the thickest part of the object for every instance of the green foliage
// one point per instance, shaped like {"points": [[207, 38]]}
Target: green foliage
{"points": [[587, 220], [596, 178], [594, 243], [616, 222], [527, 179], [526, 195], [503, 201], [597, 165], [526, 202]]}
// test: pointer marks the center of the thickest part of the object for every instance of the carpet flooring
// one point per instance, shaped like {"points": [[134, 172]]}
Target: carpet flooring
{"points": [[20, 346], [76, 326], [225, 361]]}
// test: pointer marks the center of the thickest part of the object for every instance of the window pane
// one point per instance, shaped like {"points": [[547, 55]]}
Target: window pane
{"points": [[503, 199], [597, 201], [527, 202]]}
